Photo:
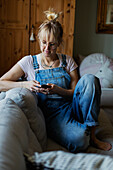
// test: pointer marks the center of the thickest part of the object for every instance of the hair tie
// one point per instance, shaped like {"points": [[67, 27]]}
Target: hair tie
{"points": [[51, 15]]}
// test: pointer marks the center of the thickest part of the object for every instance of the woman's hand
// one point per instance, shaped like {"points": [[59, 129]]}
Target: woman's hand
{"points": [[54, 88], [35, 86], [31, 85], [66, 93], [45, 89]]}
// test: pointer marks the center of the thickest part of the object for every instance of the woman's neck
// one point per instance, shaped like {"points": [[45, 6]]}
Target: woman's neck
{"points": [[50, 62]]}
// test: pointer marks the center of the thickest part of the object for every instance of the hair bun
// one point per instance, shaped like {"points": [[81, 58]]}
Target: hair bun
{"points": [[51, 15]]}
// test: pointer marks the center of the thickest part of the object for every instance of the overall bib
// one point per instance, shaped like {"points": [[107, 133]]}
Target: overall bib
{"points": [[67, 121]]}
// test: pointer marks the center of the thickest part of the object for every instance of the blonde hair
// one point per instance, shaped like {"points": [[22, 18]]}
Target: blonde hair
{"points": [[52, 25]]}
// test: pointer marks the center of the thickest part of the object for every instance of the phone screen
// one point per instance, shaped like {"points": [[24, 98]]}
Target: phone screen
{"points": [[45, 86]]}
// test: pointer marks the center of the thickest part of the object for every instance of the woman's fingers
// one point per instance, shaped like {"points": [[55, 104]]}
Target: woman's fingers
{"points": [[36, 87], [33, 85]]}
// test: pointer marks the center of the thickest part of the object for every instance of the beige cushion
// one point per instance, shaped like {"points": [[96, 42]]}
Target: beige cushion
{"points": [[26, 101]]}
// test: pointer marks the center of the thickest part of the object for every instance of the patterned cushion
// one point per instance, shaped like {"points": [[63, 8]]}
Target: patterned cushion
{"points": [[60, 160]]}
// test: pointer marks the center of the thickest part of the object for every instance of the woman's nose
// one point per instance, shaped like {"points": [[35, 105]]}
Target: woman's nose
{"points": [[47, 47]]}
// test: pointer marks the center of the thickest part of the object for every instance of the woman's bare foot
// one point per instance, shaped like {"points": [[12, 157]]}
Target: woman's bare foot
{"points": [[99, 144]]}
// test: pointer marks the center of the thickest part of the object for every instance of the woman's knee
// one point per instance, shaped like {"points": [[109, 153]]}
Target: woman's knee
{"points": [[90, 79], [89, 83]]}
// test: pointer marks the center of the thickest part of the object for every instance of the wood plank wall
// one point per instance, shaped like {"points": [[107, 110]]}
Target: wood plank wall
{"points": [[16, 20]]}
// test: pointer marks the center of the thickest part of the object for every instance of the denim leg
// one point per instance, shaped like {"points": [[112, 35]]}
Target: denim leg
{"points": [[68, 133], [86, 100], [71, 130]]}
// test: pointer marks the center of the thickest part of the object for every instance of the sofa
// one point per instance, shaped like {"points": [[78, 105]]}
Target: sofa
{"points": [[21, 149], [24, 144]]}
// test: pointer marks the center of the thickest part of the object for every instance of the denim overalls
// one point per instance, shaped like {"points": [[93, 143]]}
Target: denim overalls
{"points": [[67, 121]]}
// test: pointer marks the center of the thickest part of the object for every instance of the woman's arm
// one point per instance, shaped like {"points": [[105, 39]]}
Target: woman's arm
{"points": [[9, 80]]}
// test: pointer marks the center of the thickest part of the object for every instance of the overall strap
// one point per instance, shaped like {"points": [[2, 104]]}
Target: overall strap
{"points": [[35, 63], [64, 63]]}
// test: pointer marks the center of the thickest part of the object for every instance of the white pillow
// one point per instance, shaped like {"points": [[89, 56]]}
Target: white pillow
{"points": [[13, 136], [16, 137], [26, 101], [99, 65]]}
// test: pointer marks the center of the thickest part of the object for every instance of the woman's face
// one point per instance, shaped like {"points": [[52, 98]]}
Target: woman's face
{"points": [[48, 45]]}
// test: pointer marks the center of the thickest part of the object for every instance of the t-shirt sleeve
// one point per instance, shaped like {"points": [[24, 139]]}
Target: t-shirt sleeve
{"points": [[71, 64], [26, 64]]}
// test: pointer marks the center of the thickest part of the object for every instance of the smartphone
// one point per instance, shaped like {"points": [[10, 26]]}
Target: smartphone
{"points": [[45, 86]]}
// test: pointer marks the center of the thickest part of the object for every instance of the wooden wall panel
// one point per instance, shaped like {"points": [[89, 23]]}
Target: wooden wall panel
{"points": [[3, 58], [69, 20], [14, 32], [16, 20]]}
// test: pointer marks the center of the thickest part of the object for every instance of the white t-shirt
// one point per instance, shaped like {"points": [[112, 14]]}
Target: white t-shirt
{"points": [[26, 64]]}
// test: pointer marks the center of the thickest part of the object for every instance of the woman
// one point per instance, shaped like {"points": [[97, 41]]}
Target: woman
{"points": [[70, 107]]}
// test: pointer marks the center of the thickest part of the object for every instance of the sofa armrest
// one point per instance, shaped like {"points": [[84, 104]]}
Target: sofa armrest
{"points": [[107, 97]]}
